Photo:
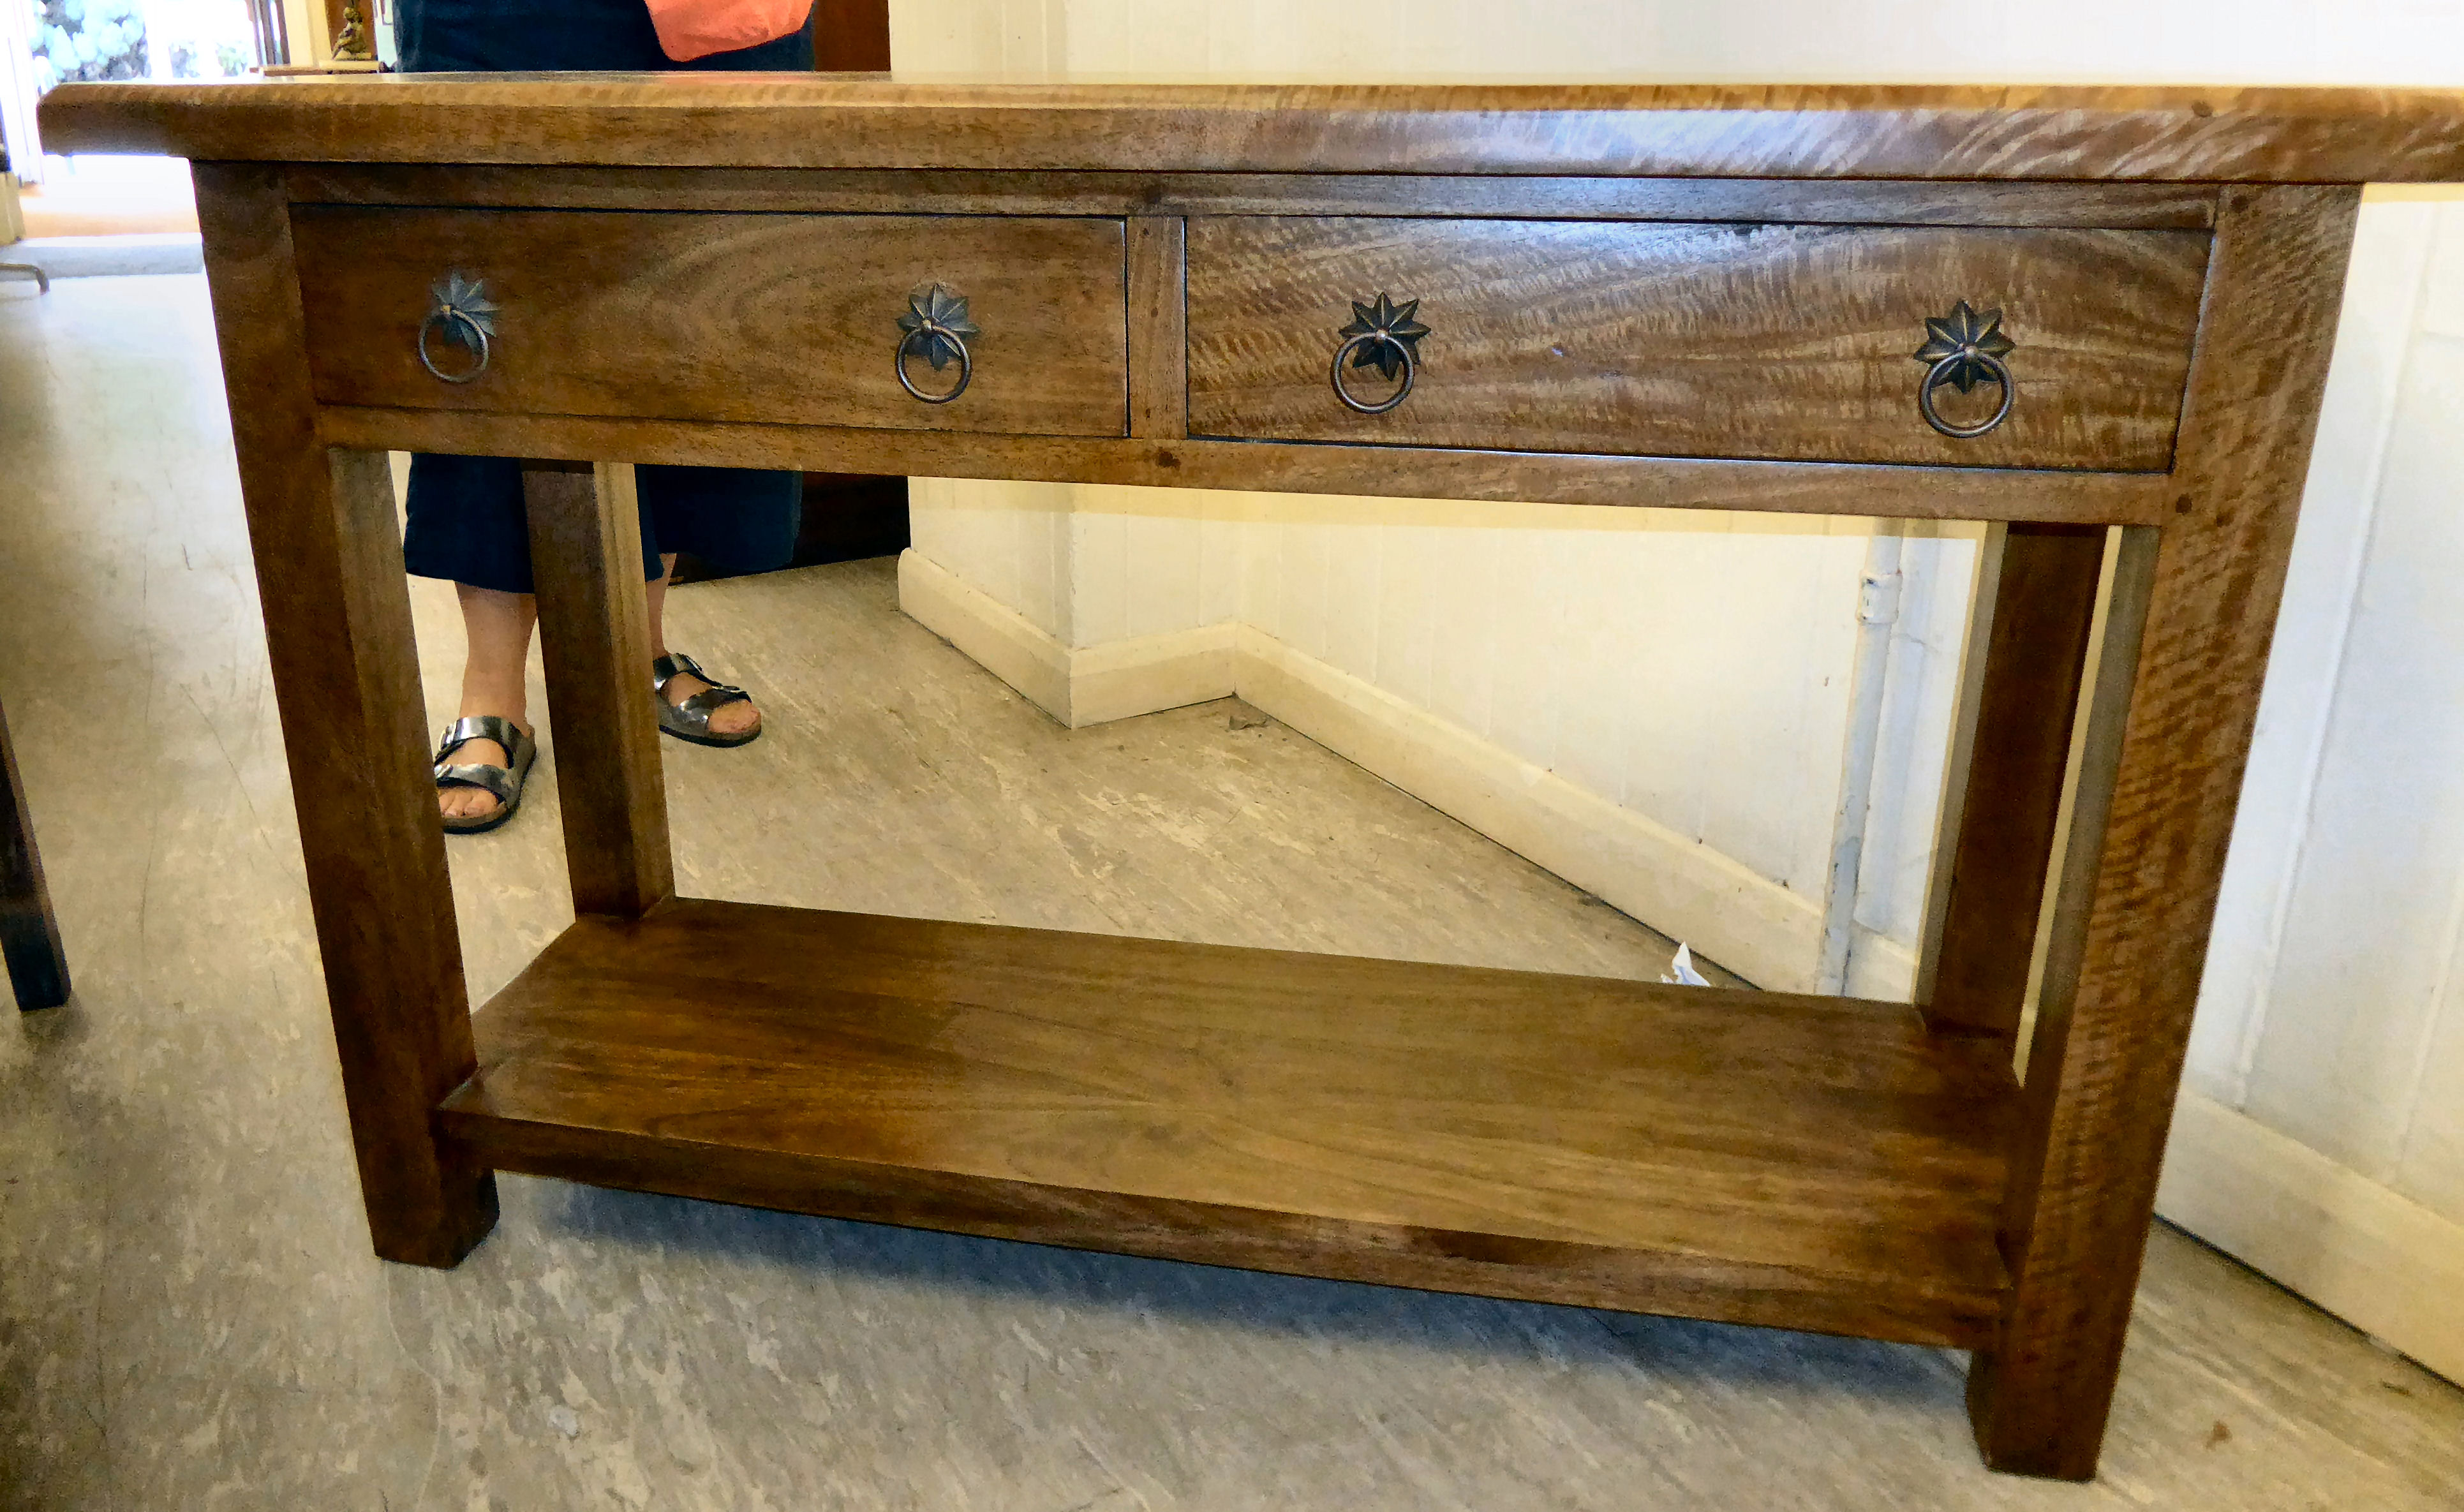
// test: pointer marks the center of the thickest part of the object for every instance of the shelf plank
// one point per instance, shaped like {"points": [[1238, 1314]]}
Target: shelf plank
{"points": [[1805, 1162]]}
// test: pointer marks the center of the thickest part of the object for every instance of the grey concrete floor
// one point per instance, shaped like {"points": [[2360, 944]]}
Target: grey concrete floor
{"points": [[190, 1316]]}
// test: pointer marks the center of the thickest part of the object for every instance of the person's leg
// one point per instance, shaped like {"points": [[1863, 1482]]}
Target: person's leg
{"points": [[467, 526], [727, 719], [494, 670]]}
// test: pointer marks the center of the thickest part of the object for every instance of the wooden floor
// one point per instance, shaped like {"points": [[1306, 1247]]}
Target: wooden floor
{"points": [[1818, 1162], [190, 1317]]}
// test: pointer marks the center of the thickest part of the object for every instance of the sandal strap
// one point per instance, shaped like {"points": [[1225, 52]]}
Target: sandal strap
{"points": [[717, 695], [495, 779], [668, 669], [477, 727]]}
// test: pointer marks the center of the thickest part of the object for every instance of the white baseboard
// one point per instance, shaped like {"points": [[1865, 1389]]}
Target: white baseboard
{"points": [[1881, 967], [1739, 918], [1077, 687], [1747, 923], [2377, 1259], [1128, 678]]}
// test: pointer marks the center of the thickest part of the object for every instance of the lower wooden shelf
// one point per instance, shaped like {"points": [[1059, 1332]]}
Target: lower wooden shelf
{"points": [[1811, 1163]]}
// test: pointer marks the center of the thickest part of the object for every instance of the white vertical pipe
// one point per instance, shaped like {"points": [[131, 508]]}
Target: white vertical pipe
{"points": [[18, 93], [1878, 613]]}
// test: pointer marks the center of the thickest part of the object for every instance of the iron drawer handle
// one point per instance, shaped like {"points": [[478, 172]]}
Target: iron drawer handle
{"points": [[468, 319], [1410, 366], [1385, 335], [454, 324], [1944, 372], [935, 327], [1966, 349]]}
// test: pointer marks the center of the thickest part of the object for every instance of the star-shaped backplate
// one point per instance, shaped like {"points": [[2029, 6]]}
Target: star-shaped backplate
{"points": [[942, 317], [1390, 321], [467, 298], [1963, 334]]}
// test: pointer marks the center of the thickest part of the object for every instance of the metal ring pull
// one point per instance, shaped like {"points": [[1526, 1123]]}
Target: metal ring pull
{"points": [[935, 328], [455, 324], [928, 332], [468, 319], [1382, 335], [1966, 349], [1334, 374], [1942, 372]]}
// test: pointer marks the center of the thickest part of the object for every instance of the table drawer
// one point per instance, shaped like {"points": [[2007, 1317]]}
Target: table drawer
{"points": [[788, 318], [1727, 340]]}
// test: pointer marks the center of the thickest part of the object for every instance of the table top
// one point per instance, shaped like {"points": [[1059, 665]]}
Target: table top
{"points": [[852, 121]]}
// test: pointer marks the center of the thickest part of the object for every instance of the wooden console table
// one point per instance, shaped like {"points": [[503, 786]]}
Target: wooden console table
{"points": [[2062, 311]]}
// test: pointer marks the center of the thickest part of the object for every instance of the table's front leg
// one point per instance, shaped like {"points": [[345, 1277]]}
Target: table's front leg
{"points": [[329, 572], [30, 935], [2167, 729]]}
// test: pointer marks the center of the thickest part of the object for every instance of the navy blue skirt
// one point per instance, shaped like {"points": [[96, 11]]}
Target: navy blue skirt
{"points": [[466, 521]]}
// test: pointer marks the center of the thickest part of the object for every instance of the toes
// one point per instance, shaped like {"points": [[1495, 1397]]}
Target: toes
{"points": [[465, 803], [727, 719]]}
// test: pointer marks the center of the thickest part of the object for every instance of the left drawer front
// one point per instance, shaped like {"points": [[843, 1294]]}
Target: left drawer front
{"points": [[783, 318]]}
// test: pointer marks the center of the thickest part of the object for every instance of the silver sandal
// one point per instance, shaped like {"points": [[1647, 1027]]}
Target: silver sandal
{"points": [[505, 781], [689, 720]]}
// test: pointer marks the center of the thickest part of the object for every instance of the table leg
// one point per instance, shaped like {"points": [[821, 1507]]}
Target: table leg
{"points": [[30, 935], [2164, 739], [595, 638], [328, 549], [1973, 973]]}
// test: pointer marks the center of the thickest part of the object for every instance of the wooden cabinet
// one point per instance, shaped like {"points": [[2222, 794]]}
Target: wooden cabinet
{"points": [[789, 319], [1793, 343]]}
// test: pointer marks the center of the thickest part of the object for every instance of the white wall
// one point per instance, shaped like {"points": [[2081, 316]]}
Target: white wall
{"points": [[2356, 1041], [1689, 669], [2334, 1008], [2323, 1134], [304, 22], [2275, 41], [1630, 650], [1680, 677]]}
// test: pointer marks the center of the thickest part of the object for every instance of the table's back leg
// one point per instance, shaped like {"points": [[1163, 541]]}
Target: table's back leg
{"points": [[595, 639], [329, 572], [1972, 974], [29, 934], [2165, 741]]}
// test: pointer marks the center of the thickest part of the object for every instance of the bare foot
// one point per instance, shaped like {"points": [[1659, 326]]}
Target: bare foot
{"points": [[727, 719], [474, 803]]}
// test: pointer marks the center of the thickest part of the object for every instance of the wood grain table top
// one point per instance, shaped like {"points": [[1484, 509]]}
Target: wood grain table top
{"points": [[849, 120]]}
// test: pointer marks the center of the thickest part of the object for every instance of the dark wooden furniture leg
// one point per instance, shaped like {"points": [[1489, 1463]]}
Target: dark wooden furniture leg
{"points": [[346, 679], [850, 36], [1975, 976], [30, 935], [595, 638], [2167, 731]]}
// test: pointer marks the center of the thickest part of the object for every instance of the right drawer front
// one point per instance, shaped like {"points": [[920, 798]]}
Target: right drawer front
{"points": [[1791, 342]]}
